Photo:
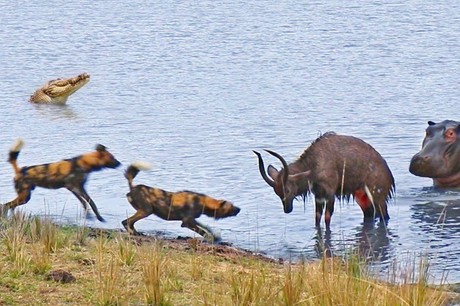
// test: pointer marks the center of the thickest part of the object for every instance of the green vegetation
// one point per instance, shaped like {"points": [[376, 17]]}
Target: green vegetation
{"points": [[112, 268]]}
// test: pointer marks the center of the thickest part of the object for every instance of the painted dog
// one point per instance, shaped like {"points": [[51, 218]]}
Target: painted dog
{"points": [[69, 173], [184, 206]]}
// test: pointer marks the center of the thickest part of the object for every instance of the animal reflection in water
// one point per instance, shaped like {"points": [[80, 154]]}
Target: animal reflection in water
{"points": [[56, 112], [371, 242], [440, 217]]}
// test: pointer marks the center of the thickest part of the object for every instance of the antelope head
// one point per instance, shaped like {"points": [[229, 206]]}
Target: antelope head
{"points": [[286, 185]]}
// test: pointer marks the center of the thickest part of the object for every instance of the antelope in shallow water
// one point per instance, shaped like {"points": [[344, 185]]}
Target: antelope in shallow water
{"points": [[334, 166]]}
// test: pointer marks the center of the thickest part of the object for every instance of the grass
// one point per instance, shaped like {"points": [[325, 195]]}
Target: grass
{"points": [[112, 268]]}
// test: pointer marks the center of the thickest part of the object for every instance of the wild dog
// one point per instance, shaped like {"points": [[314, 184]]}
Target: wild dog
{"points": [[184, 206], [70, 173]]}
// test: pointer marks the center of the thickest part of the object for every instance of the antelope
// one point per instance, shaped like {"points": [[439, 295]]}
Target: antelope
{"points": [[334, 166]]}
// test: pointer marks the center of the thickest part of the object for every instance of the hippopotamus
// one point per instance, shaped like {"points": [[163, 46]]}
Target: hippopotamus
{"points": [[439, 157]]}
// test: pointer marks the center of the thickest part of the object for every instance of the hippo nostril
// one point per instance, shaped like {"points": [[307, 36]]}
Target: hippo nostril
{"points": [[426, 158], [420, 159]]}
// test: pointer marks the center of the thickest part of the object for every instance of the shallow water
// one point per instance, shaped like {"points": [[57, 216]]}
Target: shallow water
{"points": [[194, 88]]}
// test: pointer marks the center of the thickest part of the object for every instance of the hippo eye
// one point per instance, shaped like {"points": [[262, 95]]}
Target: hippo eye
{"points": [[450, 134]]}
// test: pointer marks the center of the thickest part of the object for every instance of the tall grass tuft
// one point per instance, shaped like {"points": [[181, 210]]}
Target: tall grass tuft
{"points": [[47, 233], [108, 275], [243, 289], [250, 286], [40, 260], [126, 250], [152, 267], [15, 240], [293, 285], [81, 235]]}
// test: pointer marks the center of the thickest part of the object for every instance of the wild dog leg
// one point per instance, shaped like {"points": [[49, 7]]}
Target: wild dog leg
{"points": [[129, 223], [22, 198], [80, 198], [80, 192], [199, 228]]}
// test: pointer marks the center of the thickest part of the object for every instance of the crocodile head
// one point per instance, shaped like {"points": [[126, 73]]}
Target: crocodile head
{"points": [[58, 91]]}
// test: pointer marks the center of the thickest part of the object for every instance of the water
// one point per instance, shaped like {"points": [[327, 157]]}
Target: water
{"points": [[193, 88]]}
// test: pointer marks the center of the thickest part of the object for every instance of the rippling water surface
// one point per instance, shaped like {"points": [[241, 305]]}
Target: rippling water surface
{"points": [[193, 88]]}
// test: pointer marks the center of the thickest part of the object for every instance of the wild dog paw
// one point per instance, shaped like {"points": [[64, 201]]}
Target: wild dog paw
{"points": [[211, 238]]}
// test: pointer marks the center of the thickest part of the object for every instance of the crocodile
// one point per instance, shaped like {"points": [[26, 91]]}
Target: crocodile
{"points": [[58, 91]]}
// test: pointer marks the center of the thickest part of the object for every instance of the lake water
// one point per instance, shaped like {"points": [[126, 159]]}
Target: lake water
{"points": [[193, 88]]}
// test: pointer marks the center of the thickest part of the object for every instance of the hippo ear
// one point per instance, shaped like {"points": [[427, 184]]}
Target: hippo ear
{"points": [[431, 123], [272, 172]]}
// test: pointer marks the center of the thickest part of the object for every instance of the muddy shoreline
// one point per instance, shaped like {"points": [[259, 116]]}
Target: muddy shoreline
{"points": [[181, 243]]}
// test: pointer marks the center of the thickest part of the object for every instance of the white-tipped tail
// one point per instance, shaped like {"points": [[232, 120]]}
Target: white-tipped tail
{"points": [[141, 165], [17, 145]]}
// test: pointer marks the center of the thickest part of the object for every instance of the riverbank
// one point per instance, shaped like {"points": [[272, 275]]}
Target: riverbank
{"points": [[43, 263]]}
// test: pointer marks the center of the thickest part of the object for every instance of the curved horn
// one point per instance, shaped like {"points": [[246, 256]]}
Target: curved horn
{"points": [[285, 165], [262, 170]]}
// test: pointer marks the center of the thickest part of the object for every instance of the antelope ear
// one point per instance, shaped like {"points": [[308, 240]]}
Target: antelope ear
{"points": [[300, 176], [272, 172]]}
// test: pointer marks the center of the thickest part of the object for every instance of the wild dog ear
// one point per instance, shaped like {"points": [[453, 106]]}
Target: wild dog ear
{"points": [[431, 123], [101, 148], [272, 172]]}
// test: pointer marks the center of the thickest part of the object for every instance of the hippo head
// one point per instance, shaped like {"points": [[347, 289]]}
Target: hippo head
{"points": [[439, 157]]}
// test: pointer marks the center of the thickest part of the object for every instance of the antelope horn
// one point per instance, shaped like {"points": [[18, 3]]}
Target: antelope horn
{"points": [[262, 170], [285, 165]]}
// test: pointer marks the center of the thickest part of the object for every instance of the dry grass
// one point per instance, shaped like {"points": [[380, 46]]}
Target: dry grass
{"points": [[112, 268]]}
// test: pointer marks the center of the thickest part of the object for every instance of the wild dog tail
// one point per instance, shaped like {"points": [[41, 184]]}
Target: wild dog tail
{"points": [[134, 169], [14, 153]]}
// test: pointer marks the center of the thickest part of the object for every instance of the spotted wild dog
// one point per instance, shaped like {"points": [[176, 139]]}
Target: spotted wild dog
{"points": [[184, 206], [70, 173]]}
